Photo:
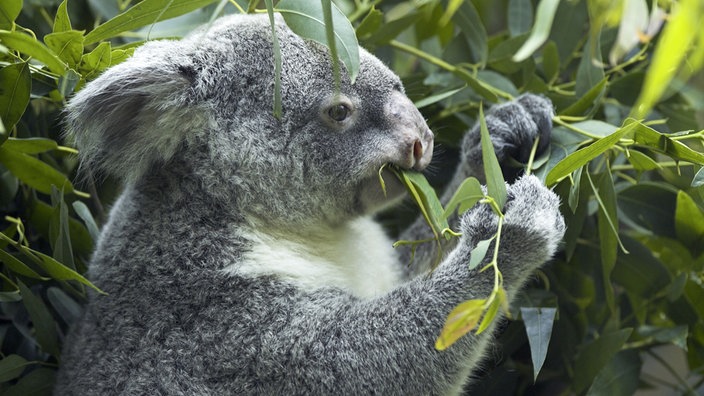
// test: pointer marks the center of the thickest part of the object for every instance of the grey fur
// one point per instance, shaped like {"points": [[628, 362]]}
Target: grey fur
{"points": [[188, 126]]}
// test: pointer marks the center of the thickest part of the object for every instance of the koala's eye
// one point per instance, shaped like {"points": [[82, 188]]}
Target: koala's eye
{"points": [[339, 112]]}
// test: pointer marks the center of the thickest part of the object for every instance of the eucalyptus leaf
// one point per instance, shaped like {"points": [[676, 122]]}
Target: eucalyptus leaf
{"points": [[15, 87], [466, 195], [84, 213], [620, 376], [62, 22], [144, 13], [9, 11], [689, 221], [33, 172], [470, 24], [545, 13], [28, 45], [595, 355], [17, 266], [11, 367], [44, 324], [31, 145], [520, 16], [495, 184], [538, 322], [461, 320], [307, 20], [67, 45], [479, 252], [590, 73]]}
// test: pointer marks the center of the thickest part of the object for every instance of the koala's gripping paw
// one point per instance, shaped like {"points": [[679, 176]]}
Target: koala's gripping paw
{"points": [[513, 127], [532, 229]]}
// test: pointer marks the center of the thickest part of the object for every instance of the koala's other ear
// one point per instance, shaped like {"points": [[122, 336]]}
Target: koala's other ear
{"points": [[136, 114]]}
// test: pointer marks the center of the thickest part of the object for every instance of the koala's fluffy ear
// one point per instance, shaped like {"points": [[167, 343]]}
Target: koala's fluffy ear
{"points": [[136, 114]]}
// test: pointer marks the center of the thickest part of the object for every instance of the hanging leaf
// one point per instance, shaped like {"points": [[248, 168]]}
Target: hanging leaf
{"points": [[84, 213], [144, 13], [620, 376], [495, 184], [538, 323], [545, 14], [520, 16], [26, 44], [689, 221], [466, 195], [595, 355], [479, 252], [306, 18], [62, 22], [463, 319], [30, 145], [9, 11], [44, 324], [33, 172], [11, 367], [15, 87]]}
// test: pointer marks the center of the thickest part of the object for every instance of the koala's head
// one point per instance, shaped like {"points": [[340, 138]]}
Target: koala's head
{"points": [[203, 106]]}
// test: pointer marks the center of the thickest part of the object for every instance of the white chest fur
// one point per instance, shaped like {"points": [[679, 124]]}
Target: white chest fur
{"points": [[357, 257]]}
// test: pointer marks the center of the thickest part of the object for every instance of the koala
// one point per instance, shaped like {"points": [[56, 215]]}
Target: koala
{"points": [[242, 256]]}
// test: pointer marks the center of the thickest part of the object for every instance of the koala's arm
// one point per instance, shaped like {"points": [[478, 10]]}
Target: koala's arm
{"points": [[513, 127], [335, 342]]}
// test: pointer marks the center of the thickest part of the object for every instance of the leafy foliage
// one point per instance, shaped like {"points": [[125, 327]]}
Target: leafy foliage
{"points": [[630, 275]]}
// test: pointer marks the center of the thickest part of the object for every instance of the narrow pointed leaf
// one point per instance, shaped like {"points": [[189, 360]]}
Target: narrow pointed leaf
{"points": [[306, 19], [44, 325], [143, 14], [467, 194], [545, 14], [538, 323], [28, 45], [463, 319], [495, 184], [15, 88], [479, 252]]}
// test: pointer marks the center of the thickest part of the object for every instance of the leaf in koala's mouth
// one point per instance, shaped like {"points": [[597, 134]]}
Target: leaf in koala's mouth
{"points": [[427, 200]]}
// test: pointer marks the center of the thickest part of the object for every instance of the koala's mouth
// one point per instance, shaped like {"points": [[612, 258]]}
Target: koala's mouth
{"points": [[381, 191]]}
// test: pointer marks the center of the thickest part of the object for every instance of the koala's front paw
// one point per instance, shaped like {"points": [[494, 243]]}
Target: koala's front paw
{"points": [[513, 127], [532, 229]]}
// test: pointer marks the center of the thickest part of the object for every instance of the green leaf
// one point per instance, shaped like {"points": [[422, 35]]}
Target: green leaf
{"points": [[84, 213], [65, 306], [44, 326], [306, 19], [579, 158], [472, 28], [28, 45], [670, 54], [11, 367], [538, 323], [427, 101], [389, 30], [37, 383], [551, 61], [59, 271], [698, 179], [589, 99], [492, 312], [495, 184], [466, 195], [573, 199], [620, 376], [30, 145], [432, 208], [650, 206], [590, 72], [62, 22], [479, 252], [15, 87], [96, 61], [461, 320], [68, 45], [278, 110], [520, 16], [607, 221], [595, 355], [545, 14], [689, 221], [62, 249], [34, 172], [9, 11], [144, 13], [18, 267], [370, 24], [644, 135], [641, 161]]}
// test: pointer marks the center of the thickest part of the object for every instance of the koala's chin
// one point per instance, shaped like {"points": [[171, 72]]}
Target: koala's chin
{"points": [[373, 198]]}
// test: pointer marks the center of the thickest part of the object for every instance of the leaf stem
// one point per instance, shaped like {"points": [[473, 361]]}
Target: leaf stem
{"points": [[558, 120]]}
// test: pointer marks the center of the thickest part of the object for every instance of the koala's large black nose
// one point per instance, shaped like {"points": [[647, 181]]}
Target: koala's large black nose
{"points": [[413, 137]]}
